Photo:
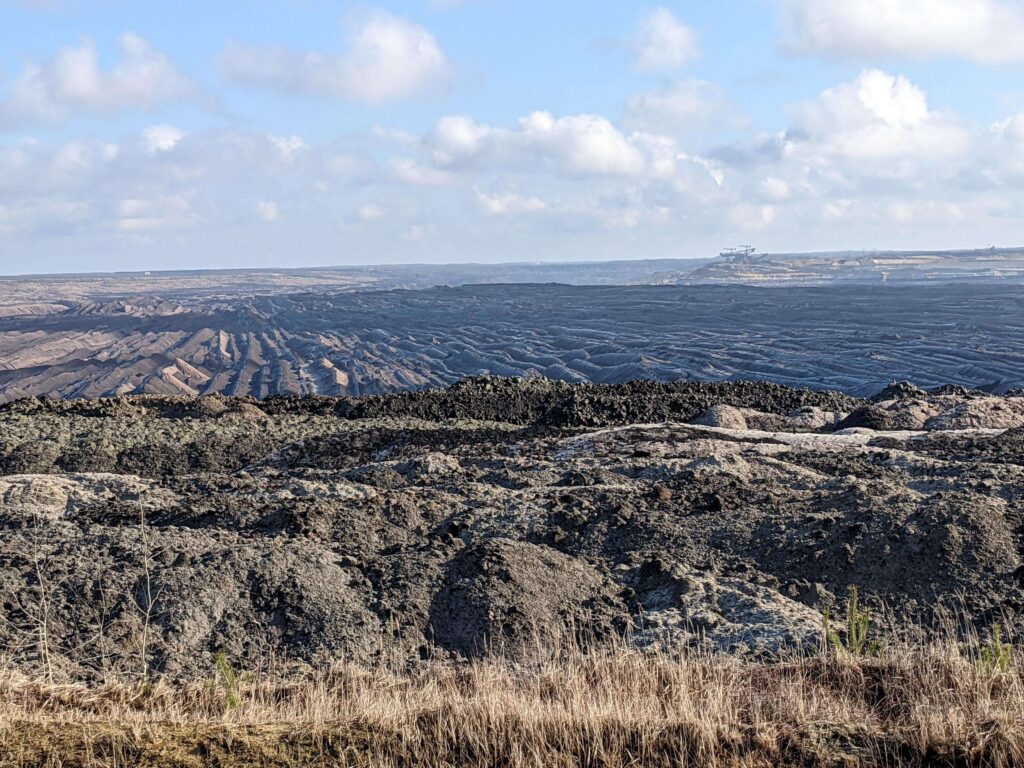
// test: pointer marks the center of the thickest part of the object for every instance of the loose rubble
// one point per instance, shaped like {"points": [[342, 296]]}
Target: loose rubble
{"points": [[495, 515]]}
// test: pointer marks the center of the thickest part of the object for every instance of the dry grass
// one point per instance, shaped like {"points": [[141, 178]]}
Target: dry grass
{"points": [[923, 706]]}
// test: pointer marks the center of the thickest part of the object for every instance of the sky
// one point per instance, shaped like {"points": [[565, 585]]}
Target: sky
{"points": [[151, 135]]}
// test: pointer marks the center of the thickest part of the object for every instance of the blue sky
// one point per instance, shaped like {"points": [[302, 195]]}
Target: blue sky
{"points": [[144, 135]]}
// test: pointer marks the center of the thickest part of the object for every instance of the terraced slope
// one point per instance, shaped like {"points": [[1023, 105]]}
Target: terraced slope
{"points": [[854, 339], [873, 267]]}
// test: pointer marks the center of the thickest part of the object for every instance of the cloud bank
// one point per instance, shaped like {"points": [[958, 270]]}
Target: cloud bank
{"points": [[73, 83], [984, 31], [387, 58]]}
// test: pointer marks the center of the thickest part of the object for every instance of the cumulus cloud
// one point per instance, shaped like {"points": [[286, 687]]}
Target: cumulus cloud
{"points": [[205, 189], [459, 139], [583, 144], [387, 58], [871, 155], [161, 138], [1012, 128], [662, 43], [162, 180], [576, 145], [878, 116], [985, 31], [1005, 160], [73, 82], [776, 189], [288, 147]]}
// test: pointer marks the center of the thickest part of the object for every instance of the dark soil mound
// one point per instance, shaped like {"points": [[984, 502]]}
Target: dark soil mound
{"points": [[400, 528], [541, 401], [503, 594]]}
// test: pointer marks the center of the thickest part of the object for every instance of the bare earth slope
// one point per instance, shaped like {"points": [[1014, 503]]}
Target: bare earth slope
{"points": [[189, 285], [445, 523], [853, 338], [989, 265]]}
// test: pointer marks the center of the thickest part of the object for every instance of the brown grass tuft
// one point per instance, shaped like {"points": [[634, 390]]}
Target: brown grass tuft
{"points": [[929, 705]]}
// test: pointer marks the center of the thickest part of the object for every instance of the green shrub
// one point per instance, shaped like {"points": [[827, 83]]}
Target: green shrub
{"points": [[858, 642], [226, 679], [996, 655]]}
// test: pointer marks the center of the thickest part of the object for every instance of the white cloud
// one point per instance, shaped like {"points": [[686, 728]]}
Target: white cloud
{"points": [[288, 147], [874, 161], [161, 138], [1012, 128], [73, 82], [580, 145], [864, 161], [458, 139], [583, 144], [388, 58], [878, 117], [509, 204], [662, 43], [143, 215], [986, 31], [1007, 153], [162, 180], [775, 189]]}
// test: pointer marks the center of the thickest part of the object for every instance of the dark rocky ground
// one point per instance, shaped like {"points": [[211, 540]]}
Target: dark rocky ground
{"points": [[496, 514]]}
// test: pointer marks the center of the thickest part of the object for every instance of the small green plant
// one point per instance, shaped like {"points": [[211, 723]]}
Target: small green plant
{"points": [[996, 655], [227, 680], [858, 642], [832, 639]]}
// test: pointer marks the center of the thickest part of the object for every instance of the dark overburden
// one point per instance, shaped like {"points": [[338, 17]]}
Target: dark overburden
{"points": [[489, 516], [854, 339]]}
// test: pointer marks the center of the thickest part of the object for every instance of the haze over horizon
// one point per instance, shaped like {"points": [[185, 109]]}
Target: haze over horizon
{"points": [[459, 267], [141, 137]]}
